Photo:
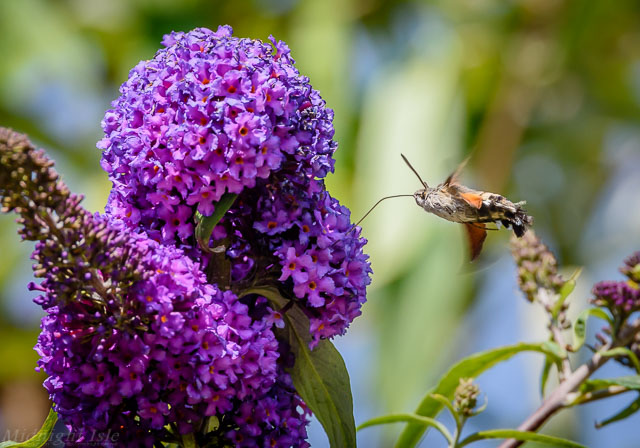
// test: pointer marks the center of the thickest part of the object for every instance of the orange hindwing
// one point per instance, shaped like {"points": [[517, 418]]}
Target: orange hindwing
{"points": [[476, 234], [474, 200]]}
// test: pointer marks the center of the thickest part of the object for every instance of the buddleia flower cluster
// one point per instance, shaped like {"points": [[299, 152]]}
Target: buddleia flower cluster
{"points": [[151, 334], [135, 339], [537, 267], [621, 297], [212, 115]]}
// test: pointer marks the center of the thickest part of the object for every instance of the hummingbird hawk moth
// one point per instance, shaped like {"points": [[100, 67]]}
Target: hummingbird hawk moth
{"points": [[473, 208]]}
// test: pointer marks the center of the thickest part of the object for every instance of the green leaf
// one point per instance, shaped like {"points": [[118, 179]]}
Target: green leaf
{"points": [[633, 407], [319, 375], [631, 382], [40, 438], [206, 224], [623, 351], [520, 435], [554, 350], [468, 367], [447, 403], [564, 292], [580, 325], [545, 375], [418, 419]]}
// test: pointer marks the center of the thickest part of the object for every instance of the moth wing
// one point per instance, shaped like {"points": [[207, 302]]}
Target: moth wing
{"points": [[453, 177], [473, 199], [476, 234]]}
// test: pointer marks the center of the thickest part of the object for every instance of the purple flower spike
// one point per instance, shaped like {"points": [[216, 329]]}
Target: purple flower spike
{"points": [[213, 114]]}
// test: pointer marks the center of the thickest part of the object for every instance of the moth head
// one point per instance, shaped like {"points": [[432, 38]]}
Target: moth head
{"points": [[421, 196]]}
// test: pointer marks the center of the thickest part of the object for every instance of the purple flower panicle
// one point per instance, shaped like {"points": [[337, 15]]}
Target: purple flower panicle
{"points": [[135, 338], [621, 297], [213, 114]]}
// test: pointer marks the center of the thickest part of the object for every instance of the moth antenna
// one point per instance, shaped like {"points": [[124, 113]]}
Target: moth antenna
{"points": [[414, 171], [376, 204]]}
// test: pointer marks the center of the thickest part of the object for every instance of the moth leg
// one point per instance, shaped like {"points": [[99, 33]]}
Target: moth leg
{"points": [[481, 226]]}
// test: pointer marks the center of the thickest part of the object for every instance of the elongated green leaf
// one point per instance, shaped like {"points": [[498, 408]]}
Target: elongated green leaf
{"points": [[624, 351], [40, 438], [631, 382], [546, 369], [633, 407], [319, 375], [206, 224], [394, 418], [520, 435], [565, 290], [580, 325], [468, 367]]}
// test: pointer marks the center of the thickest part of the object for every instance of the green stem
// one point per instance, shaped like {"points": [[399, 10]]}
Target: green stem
{"points": [[459, 424]]}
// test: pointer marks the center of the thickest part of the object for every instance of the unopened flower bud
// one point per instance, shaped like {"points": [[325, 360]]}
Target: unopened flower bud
{"points": [[466, 397]]}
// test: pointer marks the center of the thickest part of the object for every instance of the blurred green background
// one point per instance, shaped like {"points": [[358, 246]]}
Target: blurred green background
{"points": [[544, 95]]}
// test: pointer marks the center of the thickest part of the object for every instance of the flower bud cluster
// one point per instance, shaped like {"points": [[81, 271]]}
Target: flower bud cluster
{"points": [[537, 267], [466, 397]]}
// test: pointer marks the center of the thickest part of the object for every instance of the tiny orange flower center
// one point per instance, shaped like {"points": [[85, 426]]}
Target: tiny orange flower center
{"points": [[272, 225], [244, 131], [312, 285], [231, 89]]}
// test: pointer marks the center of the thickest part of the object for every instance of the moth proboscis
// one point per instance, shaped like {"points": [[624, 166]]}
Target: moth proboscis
{"points": [[473, 208]]}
